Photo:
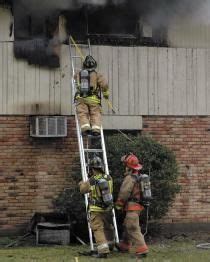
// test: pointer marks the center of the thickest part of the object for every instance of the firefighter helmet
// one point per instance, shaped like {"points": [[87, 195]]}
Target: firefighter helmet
{"points": [[96, 162], [89, 63], [131, 161]]}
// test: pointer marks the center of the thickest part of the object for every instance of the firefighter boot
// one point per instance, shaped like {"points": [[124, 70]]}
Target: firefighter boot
{"points": [[96, 130], [85, 129], [122, 247]]}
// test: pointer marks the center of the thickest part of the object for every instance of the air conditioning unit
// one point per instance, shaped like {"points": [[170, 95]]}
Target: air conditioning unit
{"points": [[48, 126]]}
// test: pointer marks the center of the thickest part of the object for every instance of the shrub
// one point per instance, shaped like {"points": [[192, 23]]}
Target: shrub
{"points": [[158, 161]]}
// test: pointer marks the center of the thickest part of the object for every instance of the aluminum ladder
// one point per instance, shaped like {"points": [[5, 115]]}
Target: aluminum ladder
{"points": [[85, 147]]}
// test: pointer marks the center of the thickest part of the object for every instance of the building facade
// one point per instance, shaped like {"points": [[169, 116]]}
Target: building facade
{"points": [[162, 91]]}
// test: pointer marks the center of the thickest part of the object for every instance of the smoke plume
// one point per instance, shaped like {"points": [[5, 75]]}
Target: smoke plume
{"points": [[164, 12], [156, 12]]}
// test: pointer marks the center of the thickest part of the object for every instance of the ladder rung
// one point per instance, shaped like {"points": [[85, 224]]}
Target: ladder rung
{"points": [[93, 150]]}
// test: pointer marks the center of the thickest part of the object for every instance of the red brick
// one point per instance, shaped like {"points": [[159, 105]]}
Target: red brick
{"points": [[30, 168], [189, 139]]}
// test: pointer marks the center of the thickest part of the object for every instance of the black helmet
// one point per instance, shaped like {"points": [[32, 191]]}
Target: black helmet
{"points": [[96, 162], [89, 63]]}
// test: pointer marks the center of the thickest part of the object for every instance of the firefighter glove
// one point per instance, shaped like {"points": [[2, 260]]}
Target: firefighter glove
{"points": [[118, 207], [106, 96]]}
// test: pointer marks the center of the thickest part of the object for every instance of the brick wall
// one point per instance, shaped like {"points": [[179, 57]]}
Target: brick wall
{"points": [[189, 138], [32, 170], [35, 170]]}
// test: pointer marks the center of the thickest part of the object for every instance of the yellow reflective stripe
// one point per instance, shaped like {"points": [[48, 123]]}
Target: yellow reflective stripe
{"points": [[93, 192], [96, 208], [85, 125], [89, 99], [96, 127], [110, 186], [106, 93]]}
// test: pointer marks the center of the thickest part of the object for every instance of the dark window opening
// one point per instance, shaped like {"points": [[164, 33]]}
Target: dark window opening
{"points": [[37, 33], [112, 25]]}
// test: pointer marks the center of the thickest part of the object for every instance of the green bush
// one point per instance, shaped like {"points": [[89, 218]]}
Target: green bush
{"points": [[71, 202], [158, 161]]}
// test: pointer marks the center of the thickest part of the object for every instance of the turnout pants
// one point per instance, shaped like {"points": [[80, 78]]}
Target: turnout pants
{"points": [[132, 236], [103, 230], [89, 116]]}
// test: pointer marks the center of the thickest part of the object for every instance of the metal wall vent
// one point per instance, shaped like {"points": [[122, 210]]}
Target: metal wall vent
{"points": [[48, 126]]}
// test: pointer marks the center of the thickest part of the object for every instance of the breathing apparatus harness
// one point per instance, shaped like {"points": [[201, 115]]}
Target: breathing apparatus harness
{"points": [[84, 87], [143, 180], [102, 184], [104, 198]]}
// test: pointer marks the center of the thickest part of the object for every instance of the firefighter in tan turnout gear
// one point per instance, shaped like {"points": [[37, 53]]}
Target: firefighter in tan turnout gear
{"points": [[100, 186], [90, 87], [128, 200]]}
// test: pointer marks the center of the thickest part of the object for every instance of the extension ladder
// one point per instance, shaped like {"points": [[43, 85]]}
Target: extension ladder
{"points": [[86, 149]]}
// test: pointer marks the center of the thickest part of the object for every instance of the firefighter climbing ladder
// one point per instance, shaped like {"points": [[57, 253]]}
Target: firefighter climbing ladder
{"points": [[85, 147]]}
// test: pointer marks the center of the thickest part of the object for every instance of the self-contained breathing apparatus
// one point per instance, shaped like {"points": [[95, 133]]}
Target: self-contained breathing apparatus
{"points": [[145, 186], [84, 83], [85, 86], [102, 184], [105, 191], [89, 66], [103, 195]]}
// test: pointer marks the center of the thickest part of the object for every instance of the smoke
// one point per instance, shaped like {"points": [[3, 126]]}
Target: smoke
{"points": [[46, 6], [156, 12], [202, 14], [36, 21], [164, 12]]}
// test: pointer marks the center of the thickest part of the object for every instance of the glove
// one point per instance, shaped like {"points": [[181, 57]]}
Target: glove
{"points": [[118, 207], [106, 96]]}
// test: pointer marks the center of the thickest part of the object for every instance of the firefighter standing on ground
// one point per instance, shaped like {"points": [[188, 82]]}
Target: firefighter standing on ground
{"points": [[100, 207], [90, 86], [129, 200]]}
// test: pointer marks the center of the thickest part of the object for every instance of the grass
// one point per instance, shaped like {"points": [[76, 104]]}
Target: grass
{"points": [[172, 251]]}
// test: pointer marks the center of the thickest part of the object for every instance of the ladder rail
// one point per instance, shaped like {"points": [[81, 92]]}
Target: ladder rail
{"points": [[82, 151], [107, 172]]}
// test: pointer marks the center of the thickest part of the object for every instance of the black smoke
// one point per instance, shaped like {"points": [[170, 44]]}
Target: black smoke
{"points": [[37, 20], [37, 13]]}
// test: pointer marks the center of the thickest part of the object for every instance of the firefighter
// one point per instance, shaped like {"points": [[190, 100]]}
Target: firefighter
{"points": [[100, 186], [90, 87], [129, 201]]}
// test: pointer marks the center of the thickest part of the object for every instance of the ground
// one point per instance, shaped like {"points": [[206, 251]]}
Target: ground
{"points": [[177, 249]]}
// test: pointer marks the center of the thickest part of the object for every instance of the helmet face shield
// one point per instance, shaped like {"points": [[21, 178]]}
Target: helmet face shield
{"points": [[89, 63]]}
